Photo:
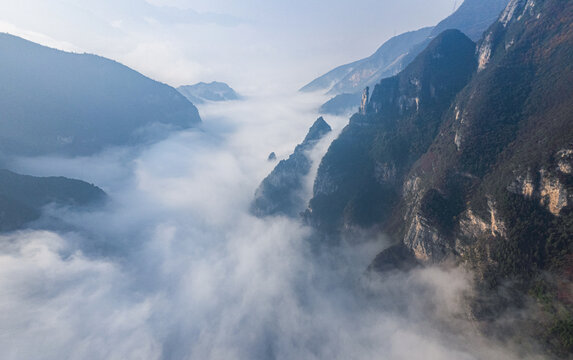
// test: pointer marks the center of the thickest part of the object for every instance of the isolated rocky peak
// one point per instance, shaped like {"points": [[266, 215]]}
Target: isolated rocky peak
{"points": [[282, 192], [365, 99], [317, 131]]}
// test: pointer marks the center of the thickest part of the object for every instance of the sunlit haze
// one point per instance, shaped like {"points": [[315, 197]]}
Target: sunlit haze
{"points": [[253, 45]]}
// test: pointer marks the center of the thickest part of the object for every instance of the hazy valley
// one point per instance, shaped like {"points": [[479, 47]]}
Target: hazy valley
{"points": [[416, 204]]}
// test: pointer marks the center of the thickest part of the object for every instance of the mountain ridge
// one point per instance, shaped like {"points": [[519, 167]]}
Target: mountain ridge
{"points": [[22, 197], [214, 91], [473, 17], [280, 192], [78, 104]]}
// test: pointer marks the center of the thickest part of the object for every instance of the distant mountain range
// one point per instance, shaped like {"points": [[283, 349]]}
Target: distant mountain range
{"points": [[214, 91], [23, 197], [388, 60], [346, 82], [77, 104]]}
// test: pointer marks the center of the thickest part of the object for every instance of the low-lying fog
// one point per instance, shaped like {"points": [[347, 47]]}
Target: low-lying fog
{"points": [[176, 268]]}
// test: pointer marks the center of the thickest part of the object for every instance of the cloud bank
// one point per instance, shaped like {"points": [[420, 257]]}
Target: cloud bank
{"points": [[176, 268]]}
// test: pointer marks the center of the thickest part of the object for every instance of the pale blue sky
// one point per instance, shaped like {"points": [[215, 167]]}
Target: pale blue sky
{"points": [[252, 44]]}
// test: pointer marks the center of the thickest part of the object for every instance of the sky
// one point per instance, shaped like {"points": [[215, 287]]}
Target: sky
{"points": [[182, 42]]}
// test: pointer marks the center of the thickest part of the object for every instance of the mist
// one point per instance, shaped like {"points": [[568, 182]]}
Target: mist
{"points": [[175, 267]]}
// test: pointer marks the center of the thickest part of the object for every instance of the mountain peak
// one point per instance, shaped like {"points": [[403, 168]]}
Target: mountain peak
{"points": [[473, 17], [317, 130], [61, 102], [214, 91], [444, 65], [282, 191]]}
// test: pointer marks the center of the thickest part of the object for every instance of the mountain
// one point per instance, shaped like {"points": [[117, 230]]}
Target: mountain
{"points": [[22, 197], [77, 104], [281, 191], [359, 175], [214, 91], [341, 104], [466, 157], [473, 17], [386, 61]]}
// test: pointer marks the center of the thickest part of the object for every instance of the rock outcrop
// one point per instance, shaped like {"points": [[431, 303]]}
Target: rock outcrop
{"points": [[473, 17], [281, 193], [364, 102], [360, 177]]}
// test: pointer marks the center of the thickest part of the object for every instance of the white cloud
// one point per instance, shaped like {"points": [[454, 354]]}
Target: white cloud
{"points": [[175, 267], [59, 304]]}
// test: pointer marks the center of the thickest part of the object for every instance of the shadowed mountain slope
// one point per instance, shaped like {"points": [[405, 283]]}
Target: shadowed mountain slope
{"points": [[77, 104]]}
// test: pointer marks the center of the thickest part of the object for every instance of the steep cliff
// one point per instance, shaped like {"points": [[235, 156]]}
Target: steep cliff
{"points": [[466, 157], [281, 193], [473, 17], [359, 178]]}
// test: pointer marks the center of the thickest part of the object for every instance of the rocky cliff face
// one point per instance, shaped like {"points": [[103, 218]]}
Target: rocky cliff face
{"points": [[502, 136], [466, 157], [280, 193], [360, 175], [346, 82]]}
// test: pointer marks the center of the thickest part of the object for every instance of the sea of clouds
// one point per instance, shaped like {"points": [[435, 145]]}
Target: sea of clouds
{"points": [[175, 267]]}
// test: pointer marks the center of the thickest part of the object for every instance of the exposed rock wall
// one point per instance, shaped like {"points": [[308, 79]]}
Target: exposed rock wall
{"points": [[280, 193], [485, 180]]}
